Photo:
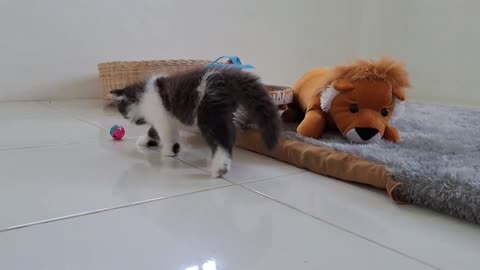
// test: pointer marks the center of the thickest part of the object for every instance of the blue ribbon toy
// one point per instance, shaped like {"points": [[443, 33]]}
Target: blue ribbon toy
{"points": [[235, 62]]}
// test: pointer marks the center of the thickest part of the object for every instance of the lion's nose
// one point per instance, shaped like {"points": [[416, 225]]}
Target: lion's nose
{"points": [[366, 133]]}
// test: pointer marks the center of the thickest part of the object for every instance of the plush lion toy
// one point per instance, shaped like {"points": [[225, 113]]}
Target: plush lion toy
{"points": [[359, 99]]}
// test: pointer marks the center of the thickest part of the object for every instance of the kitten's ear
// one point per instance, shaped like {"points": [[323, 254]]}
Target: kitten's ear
{"points": [[118, 93]]}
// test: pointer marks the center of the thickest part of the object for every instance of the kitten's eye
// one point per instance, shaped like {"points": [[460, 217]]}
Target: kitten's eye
{"points": [[354, 108], [385, 112]]}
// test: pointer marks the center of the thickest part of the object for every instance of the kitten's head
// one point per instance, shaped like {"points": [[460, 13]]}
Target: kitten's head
{"points": [[128, 102]]}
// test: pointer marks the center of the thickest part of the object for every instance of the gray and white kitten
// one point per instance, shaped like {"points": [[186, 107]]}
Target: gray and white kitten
{"points": [[210, 98]]}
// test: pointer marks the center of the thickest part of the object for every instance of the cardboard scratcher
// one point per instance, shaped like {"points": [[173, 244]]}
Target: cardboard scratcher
{"points": [[322, 160]]}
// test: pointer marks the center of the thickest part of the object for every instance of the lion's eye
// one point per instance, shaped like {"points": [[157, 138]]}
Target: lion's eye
{"points": [[385, 112], [354, 108]]}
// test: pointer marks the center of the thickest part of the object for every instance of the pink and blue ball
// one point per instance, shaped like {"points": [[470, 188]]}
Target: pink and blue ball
{"points": [[117, 132]]}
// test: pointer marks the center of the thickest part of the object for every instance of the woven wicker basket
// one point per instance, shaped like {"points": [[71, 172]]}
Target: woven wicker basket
{"points": [[117, 75], [281, 95]]}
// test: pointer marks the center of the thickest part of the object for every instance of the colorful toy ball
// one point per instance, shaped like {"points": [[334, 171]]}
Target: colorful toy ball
{"points": [[117, 132]]}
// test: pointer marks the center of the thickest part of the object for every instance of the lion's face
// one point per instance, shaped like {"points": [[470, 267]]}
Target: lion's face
{"points": [[362, 109]]}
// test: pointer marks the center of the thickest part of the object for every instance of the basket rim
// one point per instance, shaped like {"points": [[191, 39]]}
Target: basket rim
{"points": [[279, 87], [130, 62]]}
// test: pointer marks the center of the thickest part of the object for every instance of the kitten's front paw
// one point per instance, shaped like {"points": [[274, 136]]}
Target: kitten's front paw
{"points": [[170, 150], [142, 141], [146, 141]]}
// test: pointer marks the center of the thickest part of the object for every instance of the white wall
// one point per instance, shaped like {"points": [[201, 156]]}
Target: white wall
{"points": [[49, 49], [438, 39]]}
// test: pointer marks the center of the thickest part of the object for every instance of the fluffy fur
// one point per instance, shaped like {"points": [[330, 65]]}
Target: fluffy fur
{"points": [[437, 160], [327, 97], [217, 100], [385, 69]]}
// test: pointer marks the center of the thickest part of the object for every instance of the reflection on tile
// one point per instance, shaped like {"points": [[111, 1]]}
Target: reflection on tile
{"points": [[440, 240], [57, 181], [228, 228], [24, 110], [45, 130], [83, 107]]}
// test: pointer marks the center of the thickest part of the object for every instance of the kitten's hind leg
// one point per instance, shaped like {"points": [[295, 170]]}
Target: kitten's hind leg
{"points": [[221, 161], [150, 140], [218, 130]]}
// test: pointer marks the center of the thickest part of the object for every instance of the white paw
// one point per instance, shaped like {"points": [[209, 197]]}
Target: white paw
{"points": [[146, 141], [170, 150], [221, 163], [142, 141]]}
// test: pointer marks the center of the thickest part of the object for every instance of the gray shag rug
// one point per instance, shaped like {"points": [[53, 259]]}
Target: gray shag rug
{"points": [[437, 160]]}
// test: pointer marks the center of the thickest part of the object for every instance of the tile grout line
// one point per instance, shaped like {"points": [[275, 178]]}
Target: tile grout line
{"points": [[40, 103], [39, 146], [269, 177], [55, 145], [79, 119], [184, 161], [102, 210], [310, 215], [71, 115], [87, 213], [16, 227], [244, 182], [340, 228], [83, 120], [234, 183], [107, 209]]}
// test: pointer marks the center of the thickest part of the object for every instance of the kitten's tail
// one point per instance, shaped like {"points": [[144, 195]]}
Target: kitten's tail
{"points": [[255, 98]]}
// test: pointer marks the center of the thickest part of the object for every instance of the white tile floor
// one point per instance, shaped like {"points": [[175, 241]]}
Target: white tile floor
{"points": [[70, 198]]}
